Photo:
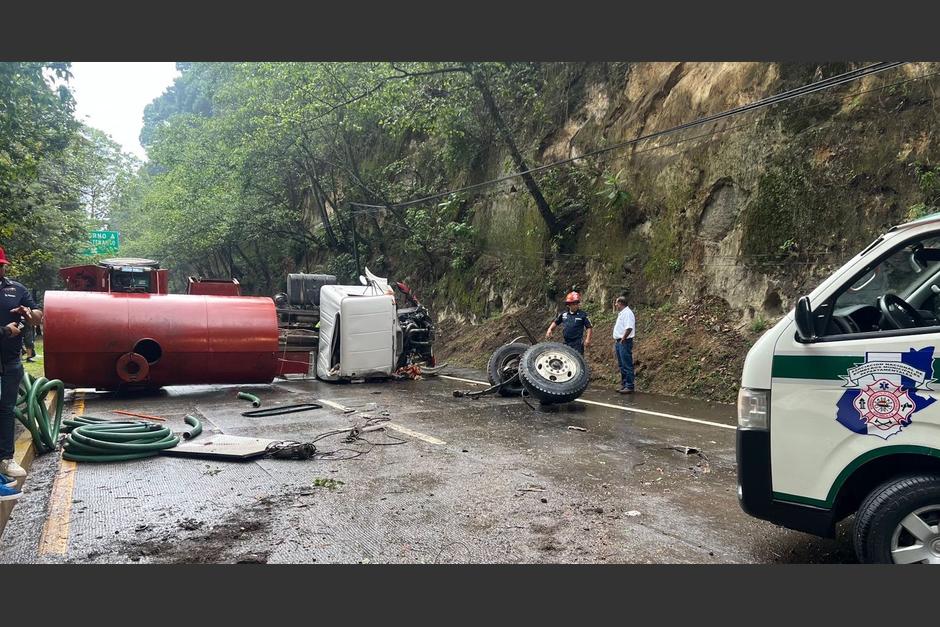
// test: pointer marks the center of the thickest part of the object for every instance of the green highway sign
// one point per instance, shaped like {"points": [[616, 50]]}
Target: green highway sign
{"points": [[103, 243]]}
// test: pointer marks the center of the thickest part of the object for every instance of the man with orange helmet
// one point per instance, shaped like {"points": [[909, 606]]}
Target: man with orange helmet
{"points": [[577, 325]]}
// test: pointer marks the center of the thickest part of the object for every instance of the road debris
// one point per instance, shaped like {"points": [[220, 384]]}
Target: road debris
{"points": [[136, 415], [702, 466], [574, 428], [190, 524], [632, 513], [245, 396], [329, 484]]}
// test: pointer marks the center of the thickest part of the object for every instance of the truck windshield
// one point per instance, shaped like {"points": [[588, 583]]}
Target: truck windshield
{"points": [[130, 280]]}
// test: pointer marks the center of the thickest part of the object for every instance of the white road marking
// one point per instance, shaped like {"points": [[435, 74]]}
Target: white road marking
{"points": [[391, 425], [620, 407], [332, 404], [415, 434]]}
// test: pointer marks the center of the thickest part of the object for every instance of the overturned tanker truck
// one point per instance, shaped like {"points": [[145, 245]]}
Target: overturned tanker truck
{"points": [[116, 327], [353, 331]]}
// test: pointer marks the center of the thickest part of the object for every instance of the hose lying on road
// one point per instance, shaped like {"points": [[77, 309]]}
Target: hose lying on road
{"points": [[280, 411], [97, 440], [255, 401], [31, 410], [196, 427]]}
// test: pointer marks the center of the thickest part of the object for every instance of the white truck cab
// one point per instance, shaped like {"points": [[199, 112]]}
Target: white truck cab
{"points": [[838, 411]]}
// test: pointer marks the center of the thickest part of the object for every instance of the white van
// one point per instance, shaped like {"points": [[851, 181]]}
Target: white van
{"points": [[837, 413]]}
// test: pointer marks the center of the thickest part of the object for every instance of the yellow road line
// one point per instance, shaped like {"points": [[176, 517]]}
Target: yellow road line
{"points": [[415, 434], [55, 531], [620, 407]]}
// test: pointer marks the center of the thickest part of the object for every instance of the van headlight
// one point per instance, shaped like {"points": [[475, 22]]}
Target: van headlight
{"points": [[753, 409]]}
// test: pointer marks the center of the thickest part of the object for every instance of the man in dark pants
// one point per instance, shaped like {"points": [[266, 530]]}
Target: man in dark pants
{"points": [[16, 306], [624, 332], [577, 325]]}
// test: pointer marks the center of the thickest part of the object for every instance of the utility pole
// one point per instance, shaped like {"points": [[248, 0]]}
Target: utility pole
{"points": [[352, 217]]}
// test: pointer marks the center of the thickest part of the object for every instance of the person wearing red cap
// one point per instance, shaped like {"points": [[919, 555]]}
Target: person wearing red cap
{"points": [[577, 325], [16, 308]]}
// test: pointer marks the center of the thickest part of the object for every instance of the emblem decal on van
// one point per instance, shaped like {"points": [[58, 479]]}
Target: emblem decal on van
{"points": [[882, 400]]}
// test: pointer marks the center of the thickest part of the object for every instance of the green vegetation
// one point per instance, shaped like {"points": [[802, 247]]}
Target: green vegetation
{"points": [[58, 178], [928, 182], [35, 368], [258, 169], [759, 324]]}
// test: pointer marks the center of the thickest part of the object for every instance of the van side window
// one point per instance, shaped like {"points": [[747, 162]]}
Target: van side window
{"points": [[896, 292]]}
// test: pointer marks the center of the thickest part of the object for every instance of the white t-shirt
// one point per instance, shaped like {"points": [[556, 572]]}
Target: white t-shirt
{"points": [[625, 320]]}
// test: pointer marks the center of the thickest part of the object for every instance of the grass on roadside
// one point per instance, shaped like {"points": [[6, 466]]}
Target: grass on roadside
{"points": [[35, 367]]}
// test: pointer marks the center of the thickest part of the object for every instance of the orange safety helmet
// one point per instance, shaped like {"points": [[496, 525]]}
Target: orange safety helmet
{"points": [[572, 297]]}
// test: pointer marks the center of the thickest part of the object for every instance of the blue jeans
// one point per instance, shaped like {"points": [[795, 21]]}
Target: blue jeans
{"points": [[9, 386], [625, 360]]}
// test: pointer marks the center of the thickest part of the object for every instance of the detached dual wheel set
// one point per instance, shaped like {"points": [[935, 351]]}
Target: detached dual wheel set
{"points": [[551, 373]]}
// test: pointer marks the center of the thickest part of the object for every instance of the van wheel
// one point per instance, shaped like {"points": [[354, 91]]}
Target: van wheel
{"points": [[899, 522], [504, 365], [553, 373]]}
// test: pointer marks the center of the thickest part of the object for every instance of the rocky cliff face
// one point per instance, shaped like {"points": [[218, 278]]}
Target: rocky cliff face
{"points": [[744, 214]]}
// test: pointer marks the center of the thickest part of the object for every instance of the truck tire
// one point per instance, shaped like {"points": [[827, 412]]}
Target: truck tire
{"points": [[553, 373], [899, 522], [503, 365]]}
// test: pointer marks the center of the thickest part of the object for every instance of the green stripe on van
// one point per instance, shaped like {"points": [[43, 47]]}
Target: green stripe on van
{"points": [[826, 367], [848, 471], [813, 366]]}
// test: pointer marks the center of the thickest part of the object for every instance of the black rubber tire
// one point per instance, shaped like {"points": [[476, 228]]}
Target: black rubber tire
{"points": [[884, 509], [546, 391], [498, 360]]}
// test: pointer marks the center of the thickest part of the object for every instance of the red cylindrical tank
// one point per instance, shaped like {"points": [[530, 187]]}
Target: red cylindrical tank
{"points": [[104, 340]]}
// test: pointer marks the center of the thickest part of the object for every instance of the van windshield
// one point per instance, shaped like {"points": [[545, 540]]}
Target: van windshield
{"points": [[901, 273]]}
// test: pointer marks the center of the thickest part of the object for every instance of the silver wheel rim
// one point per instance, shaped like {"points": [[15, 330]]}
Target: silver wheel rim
{"points": [[556, 367], [916, 539]]}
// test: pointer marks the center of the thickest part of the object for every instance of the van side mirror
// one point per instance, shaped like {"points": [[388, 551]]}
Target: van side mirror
{"points": [[805, 329]]}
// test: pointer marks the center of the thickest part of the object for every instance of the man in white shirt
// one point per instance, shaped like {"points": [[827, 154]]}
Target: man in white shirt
{"points": [[624, 332]]}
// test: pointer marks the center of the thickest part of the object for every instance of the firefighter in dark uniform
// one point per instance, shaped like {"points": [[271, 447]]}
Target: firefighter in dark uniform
{"points": [[576, 324], [16, 308]]}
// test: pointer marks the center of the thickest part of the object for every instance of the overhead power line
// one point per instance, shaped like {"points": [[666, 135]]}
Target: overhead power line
{"points": [[797, 92]]}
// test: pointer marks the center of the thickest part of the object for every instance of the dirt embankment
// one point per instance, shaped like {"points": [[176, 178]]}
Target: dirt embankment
{"points": [[695, 350]]}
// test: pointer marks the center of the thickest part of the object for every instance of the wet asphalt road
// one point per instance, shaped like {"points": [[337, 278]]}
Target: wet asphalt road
{"points": [[476, 481]]}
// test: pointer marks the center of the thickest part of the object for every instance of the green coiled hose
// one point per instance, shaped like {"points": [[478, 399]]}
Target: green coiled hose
{"points": [[31, 410], [93, 439]]}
